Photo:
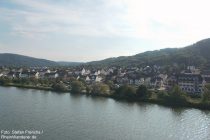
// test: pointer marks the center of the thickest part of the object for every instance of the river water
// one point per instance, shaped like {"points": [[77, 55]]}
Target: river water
{"points": [[80, 117]]}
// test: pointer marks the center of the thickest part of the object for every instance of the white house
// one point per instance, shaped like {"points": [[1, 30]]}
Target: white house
{"points": [[51, 75], [83, 71], [24, 74], [147, 81], [103, 72], [98, 79], [87, 79]]}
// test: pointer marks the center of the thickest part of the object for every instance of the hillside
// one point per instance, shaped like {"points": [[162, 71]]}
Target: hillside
{"points": [[64, 63], [197, 54], [7, 59]]}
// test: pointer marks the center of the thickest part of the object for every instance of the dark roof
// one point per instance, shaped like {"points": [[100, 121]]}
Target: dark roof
{"points": [[11, 73], [189, 77], [50, 74], [205, 72], [207, 79]]}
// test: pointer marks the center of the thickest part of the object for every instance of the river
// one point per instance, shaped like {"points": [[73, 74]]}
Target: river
{"points": [[80, 117]]}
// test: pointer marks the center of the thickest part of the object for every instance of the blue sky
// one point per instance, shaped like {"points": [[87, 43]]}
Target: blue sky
{"points": [[86, 30]]}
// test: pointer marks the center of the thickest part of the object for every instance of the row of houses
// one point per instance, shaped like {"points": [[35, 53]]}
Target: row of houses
{"points": [[50, 74], [191, 80]]}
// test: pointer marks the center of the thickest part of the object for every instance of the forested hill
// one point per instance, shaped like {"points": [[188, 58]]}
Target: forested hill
{"points": [[7, 59], [197, 54]]}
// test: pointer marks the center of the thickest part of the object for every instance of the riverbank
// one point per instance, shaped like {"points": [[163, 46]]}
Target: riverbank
{"points": [[193, 103], [82, 117], [197, 104], [34, 87]]}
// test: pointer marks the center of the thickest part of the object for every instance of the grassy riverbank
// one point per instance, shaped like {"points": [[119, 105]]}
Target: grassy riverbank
{"points": [[191, 103], [33, 87], [164, 99]]}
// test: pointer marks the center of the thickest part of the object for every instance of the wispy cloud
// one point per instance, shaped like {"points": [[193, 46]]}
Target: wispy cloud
{"points": [[38, 17], [132, 18], [165, 23]]}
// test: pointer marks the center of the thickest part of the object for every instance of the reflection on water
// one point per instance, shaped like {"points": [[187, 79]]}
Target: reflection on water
{"points": [[71, 116], [178, 111]]}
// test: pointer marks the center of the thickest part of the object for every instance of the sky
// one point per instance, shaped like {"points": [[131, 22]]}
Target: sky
{"points": [[87, 30]]}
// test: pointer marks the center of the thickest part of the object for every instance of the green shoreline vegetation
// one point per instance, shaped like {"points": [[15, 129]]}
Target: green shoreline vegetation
{"points": [[172, 98]]}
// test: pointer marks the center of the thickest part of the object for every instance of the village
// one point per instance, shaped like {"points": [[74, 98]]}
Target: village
{"points": [[190, 80]]}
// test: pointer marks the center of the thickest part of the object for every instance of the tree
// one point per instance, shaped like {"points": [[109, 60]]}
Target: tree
{"points": [[206, 96], [126, 91], [162, 94], [100, 88], [110, 84], [176, 92], [176, 96], [77, 87], [5, 80], [142, 91], [208, 86], [59, 86]]}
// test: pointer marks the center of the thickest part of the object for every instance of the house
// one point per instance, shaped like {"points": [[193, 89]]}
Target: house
{"points": [[141, 81], [98, 79], [147, 70], [87, 79], [11, 75], [95, 78], [52, 75], [92, 77], [206, 76], [122, 80], [171, 81], [42, 73], [110, 71], [24, 74], [34, 75], [147, 81], [136, 82], [191, 83], [95, 73], [157, 82], [205, 73], [77, 73], [103, 72], [63, 74], [83, 71], [192, 69]]}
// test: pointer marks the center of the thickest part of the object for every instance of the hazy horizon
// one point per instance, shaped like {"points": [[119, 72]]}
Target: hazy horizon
{"points": [[85, 30]]}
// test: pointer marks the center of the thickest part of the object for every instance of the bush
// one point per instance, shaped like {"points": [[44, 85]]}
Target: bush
{"points": [[59, 86], [77, 87], [142, 91], [176, 96], [5, 81], [126, 91], [206, 96], [162, 94], [102, 89]]}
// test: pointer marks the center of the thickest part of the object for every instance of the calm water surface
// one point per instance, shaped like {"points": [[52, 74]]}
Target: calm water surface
{"points": [[79, 117]]}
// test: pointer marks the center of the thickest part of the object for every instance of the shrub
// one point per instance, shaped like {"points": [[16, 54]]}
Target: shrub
{"points": [[142, 91], [77, 87], [126, 91], [100, 88]]}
